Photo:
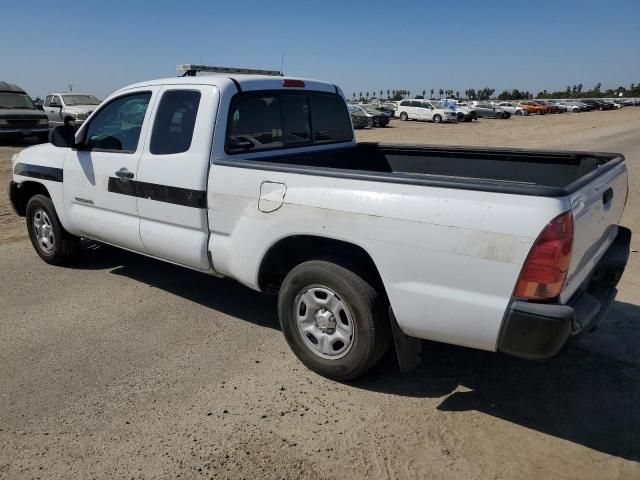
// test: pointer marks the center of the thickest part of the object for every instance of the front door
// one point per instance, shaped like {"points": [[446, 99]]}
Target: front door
{"points": [[99, 176]]}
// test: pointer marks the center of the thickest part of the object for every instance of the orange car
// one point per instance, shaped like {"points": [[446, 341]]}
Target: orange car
{"points": [[533, 107]]}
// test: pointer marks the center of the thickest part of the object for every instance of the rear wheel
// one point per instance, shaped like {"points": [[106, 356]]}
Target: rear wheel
{"points": [[50, 240], [519, 112], [404, 117], [333, 319], [437, 118], [540, 112]]}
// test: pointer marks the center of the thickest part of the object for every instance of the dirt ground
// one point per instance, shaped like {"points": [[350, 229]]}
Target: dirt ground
{"points": [[126, 367]]}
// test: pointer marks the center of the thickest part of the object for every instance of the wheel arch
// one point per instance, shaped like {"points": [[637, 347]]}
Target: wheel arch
{"points": [[20, 193], [281, 257]]}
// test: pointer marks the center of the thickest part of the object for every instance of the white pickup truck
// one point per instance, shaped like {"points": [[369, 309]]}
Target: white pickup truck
{"points": [[259, 178]]}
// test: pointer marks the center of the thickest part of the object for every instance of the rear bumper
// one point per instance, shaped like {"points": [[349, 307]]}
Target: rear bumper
{"points": [[540, 330]]}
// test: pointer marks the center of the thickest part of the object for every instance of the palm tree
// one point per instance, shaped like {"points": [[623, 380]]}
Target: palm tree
{"points": [[387, 94], [457, 94], [441, 92], [354, 95]]}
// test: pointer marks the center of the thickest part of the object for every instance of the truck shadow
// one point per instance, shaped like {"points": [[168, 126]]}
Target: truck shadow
{"points": [[223, 295], [588, 395]]}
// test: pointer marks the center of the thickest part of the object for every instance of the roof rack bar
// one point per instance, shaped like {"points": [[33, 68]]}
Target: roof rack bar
{"points": [[191, 70]]}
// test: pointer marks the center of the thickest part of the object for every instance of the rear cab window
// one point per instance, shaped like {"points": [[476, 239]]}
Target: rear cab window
{"points": [[277, 120]]}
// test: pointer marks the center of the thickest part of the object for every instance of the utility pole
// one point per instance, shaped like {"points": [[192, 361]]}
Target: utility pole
{"points": [[70, 87]]}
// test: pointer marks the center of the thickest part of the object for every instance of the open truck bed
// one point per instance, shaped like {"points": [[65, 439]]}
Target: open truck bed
{"points": [[517, 171]]}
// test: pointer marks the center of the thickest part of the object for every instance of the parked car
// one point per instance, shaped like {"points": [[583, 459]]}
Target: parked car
{"points": [[572, 107], [487, 110], [19, 116], [73, 107], [359, 118], [259, 179], [533, 107], [597, 104], [378, 118], [426, 110], [513, 109], [463, 112], [550, 107]]}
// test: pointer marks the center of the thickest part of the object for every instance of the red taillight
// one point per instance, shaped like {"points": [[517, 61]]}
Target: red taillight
{"points": [[287, 82], [545, 270]]}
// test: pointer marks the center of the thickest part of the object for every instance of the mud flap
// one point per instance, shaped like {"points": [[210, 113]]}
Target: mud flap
{"points": [[408, 349]]}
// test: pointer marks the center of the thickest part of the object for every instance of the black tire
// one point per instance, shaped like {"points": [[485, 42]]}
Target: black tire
{"points": [[437, 118], [404, 117], [461, 117], [368, 312], [519, 112], [63, 244], [540, 112], [499, 115]]}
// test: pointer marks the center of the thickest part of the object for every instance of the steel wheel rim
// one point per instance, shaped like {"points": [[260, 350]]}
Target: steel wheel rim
{"points": [[324, 322], [43, 230]]}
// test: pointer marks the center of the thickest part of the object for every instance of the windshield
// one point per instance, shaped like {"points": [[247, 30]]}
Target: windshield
{"points": [[71, 100], [437, 104], [16, 100]]}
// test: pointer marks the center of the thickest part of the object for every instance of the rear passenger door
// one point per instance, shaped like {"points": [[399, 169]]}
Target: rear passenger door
{"points": [[172, 175]]}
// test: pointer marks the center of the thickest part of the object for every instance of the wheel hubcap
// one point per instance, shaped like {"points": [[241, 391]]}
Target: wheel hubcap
{"points": [[324, 322], [44, 231]]}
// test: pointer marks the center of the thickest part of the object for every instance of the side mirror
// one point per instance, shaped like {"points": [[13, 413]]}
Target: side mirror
{"points": [[63, 136], [40, 107]]}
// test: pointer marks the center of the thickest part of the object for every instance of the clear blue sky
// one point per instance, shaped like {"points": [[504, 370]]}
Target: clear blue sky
{"points": [[99, 46]]}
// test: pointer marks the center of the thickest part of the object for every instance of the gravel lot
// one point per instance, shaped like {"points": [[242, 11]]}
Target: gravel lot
{"points": [[125, 367]]}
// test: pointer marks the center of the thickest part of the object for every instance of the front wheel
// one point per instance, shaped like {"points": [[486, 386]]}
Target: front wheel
{"points": [[437, 118], [333, 319], [50, 240], [404, 117]]}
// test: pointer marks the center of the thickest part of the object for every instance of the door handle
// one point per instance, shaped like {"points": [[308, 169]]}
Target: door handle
{"points": [[607, 195], [124, 174]]}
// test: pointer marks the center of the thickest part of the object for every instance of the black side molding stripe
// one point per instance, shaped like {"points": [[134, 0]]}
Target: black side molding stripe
{"points": [[160, 193], [38, 171]]}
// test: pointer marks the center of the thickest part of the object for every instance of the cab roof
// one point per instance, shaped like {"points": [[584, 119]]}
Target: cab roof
{"points": [[246, 82]]}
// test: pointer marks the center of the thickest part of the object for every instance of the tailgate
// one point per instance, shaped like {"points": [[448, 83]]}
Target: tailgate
{"points": [[597, 208]]}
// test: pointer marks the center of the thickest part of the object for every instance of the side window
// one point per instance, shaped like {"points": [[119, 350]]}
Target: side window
{"points": [[405, 103], [416, 104], [117, 125], [47, 100], [330, 119], [174, 122], [55, 101]]}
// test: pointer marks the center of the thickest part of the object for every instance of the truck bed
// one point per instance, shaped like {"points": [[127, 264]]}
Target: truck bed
{"points": [[525, 172]]}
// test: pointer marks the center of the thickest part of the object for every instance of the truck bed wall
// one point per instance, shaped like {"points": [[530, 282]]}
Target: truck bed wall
{"points": [[528, 167]]}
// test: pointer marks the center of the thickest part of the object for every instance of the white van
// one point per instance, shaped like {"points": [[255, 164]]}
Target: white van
{"points": [[425, 110]]}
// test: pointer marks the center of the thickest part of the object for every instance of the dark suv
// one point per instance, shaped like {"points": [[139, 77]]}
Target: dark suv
{"points": [[19, 116]]}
